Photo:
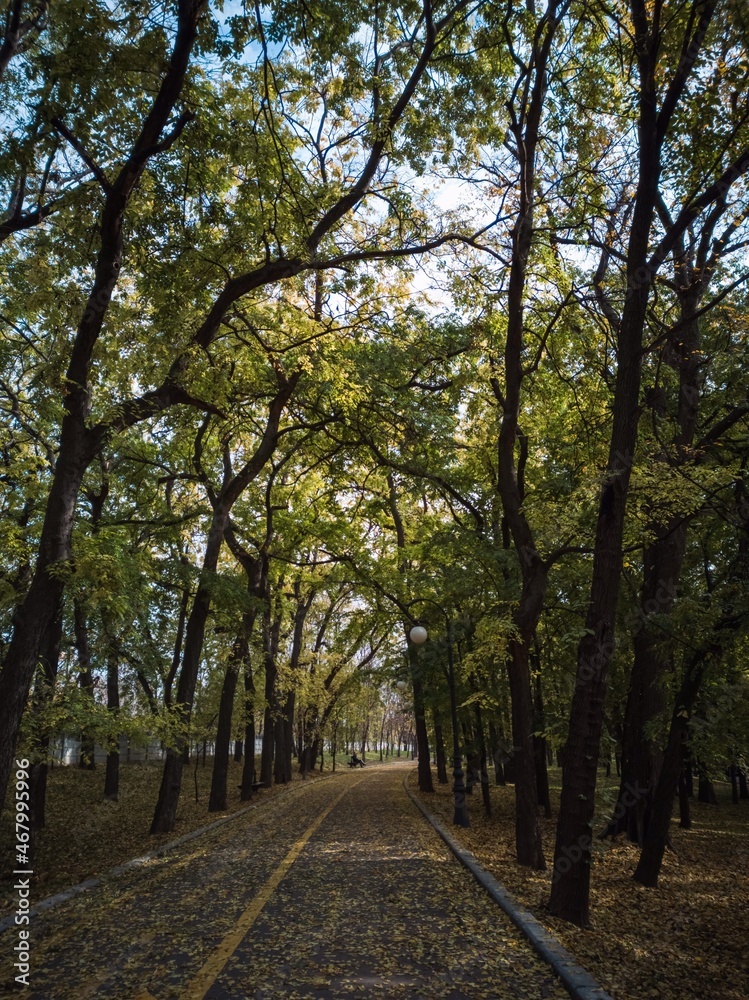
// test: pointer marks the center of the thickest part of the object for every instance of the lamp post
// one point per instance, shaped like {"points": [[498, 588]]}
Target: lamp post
{"points": [[419, 636]]}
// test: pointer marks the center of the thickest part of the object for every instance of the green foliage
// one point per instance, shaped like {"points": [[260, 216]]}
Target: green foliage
{"points": [[382, 488]]}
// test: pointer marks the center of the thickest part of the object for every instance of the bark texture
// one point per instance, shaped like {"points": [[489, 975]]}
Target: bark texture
{"points": [[570, 893]]}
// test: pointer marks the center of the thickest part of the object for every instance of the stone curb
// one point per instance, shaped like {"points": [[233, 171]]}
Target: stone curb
{"points": [[576, 980], [91, 883]]}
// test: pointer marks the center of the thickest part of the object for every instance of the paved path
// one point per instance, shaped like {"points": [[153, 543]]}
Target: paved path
{"points": [[338, 888]]}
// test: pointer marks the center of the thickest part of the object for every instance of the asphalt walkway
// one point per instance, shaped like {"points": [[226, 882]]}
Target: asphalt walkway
{"points": [[338, 888]]}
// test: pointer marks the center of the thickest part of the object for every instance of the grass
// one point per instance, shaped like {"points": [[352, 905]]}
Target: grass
{"points": [[687, 938]]}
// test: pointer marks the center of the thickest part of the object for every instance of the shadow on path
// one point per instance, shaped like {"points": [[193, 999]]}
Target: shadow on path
{"points": [[366, 901]]}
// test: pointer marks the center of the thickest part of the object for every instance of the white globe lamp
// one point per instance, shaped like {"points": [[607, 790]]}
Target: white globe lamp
{"points": [[418, 634]]}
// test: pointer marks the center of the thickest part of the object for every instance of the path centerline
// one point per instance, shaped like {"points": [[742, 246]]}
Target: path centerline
{"points": [[211, 970]]}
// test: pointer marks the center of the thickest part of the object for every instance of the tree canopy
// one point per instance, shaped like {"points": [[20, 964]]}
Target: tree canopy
{"points": [[318, 321]]}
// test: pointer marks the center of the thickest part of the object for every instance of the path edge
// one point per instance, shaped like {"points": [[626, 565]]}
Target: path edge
{"points": [[92, 883], [576, 980]]}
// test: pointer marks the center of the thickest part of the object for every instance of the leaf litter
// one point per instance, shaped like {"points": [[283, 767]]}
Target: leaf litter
{"points": [[685, 939]]}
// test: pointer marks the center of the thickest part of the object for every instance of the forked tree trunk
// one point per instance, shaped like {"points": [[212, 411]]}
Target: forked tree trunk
{"points": [[222, 503], [527, 113], [663, 560], [570, 891], [656, 837], [256, 571]]}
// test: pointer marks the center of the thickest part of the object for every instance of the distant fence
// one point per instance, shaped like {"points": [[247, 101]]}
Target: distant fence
{"points": [[67, 750]]}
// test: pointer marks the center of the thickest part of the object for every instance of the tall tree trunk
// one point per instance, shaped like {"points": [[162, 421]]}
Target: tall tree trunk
{"points": [[184, 604], [79, 441], [171, 782], [279, 750], [688, 771], [539, 741], [424, 769], [86, 756], [733, 777], [44, 690], [649, 865], [256, 571], [268, 746], [527, 830], [217, 800], [527, 112], [112, 775], [483, 773], [271, 632], [743, 789], [663, 560], [310, 740], [248, 771], [685, 811], [222, 503], [34, 619], [496, 743], [288, 726], [285, 759], [570, 891], [439, 741], [706, 790], [422, 737], [333, 745]]}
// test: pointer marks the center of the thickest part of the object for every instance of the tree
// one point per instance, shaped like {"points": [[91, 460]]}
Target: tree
{"points": [[290, 230], [666, 63], [79, 441]]}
